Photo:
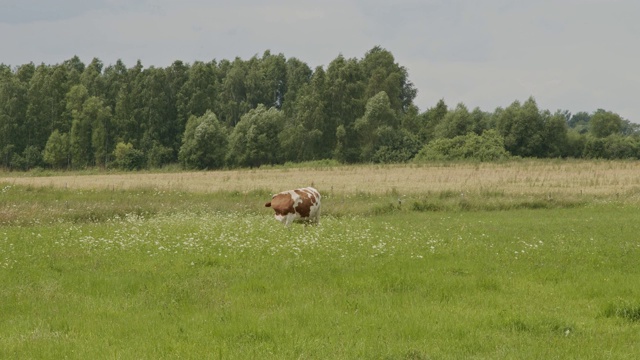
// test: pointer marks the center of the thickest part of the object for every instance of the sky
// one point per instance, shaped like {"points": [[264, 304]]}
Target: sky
{"points": [[575, 55]]}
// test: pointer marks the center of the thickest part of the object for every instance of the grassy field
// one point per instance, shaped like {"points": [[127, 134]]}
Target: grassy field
{"points": [[151, 271], [514, 178]]}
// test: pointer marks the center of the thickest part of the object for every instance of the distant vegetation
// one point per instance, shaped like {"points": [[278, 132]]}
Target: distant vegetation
{"points": [[271, 110]]}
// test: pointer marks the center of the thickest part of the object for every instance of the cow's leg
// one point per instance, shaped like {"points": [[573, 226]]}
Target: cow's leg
{"points": [[288, 220]]}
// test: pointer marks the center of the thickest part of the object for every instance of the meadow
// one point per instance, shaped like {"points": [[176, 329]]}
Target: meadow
{"points": [[461, 261]]}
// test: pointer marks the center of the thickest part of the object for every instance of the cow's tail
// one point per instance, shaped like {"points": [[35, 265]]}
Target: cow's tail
{"points": [[268, 204]]}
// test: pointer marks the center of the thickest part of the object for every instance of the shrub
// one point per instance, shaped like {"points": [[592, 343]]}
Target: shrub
{"points": [[611, 147], [56, 152], [395, 146], [31, 157], [159, 155], [204, 143], [128, 158], [486, 147]]}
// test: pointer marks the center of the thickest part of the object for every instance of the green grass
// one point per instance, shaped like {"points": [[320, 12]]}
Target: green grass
{"points": [[180, 275]]}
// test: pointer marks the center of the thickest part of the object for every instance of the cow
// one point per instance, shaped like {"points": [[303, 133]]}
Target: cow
{"points": [[296, 205]]}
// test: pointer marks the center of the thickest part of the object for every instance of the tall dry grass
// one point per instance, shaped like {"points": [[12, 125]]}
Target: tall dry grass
{"points": [[602, 178]]}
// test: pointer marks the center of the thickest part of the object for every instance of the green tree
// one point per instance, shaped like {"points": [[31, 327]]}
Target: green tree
{"points": [[114, 79], [159, 155], [79, 137], [615, 146], [80, 140], [75, 99], [176, 77], [481, 121], [312, 122], [199, 91], [299, 143], [157, 112], [343, 152], [127, 117], [46, 104], [411, 120], [630, 129], [92, 78], [298, 76], [395, 146], [124, 100], [378, 114], [233, 95], [455, 123], [430, 120], [486, 147], [618, 146], [595, 148], [75, 67], [127, 157], [56, 152], [254, 141], [204, 144], [576, 143], [522, 127], [90, 134], [382, 73], [13, 109], [344, 96], [101, 137], [59, 84], [604, 123], [265, 80], [580, 122], [555, 135], [31, 157]]}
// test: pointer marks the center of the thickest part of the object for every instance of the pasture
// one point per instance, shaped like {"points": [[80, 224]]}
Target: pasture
{"points": [[523, 260]]}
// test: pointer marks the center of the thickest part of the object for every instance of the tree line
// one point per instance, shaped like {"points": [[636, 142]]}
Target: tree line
{"points": [[270, 110]]}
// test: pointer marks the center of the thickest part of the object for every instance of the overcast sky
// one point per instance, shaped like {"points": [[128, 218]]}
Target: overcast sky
{"points": [[578, 55]]}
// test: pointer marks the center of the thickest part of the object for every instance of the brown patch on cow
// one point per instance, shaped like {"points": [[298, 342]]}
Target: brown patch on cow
{"points": [[282, 204], [304, 207]]}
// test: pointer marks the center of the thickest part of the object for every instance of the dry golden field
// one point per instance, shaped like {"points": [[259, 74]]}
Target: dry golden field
{"points": [[619, 178]]}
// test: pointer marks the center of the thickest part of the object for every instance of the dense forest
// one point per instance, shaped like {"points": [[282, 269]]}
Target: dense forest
{"points": [[271, 110]]}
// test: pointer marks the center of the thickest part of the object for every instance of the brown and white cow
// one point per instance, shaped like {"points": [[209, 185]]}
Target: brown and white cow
{"points": [[299, 204]]}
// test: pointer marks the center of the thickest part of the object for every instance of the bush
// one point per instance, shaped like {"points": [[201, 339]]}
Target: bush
{"points": [[31, 157], [204, 143], [128, 158], [159, 155], [395, 146], [486, 147], [612, 147], [56, 152]]}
